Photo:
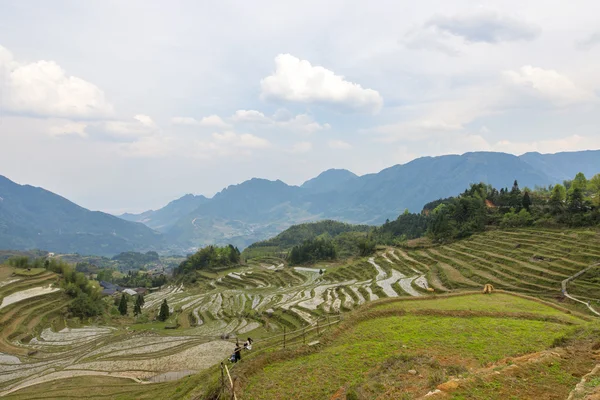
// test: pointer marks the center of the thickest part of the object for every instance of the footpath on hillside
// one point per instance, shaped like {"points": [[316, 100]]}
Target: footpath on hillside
{"points": [[565, 282]]}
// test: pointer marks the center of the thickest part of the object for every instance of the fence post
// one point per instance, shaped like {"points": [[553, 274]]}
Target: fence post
{"points": [[233, 396], [222, 379], [327, 319], [318, 327], [284, 337]]}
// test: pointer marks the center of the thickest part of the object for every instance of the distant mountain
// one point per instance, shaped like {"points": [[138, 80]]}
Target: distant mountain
{"points": [[258, 209], [242, 214], [34, 218], [565, 165], [164, 219], [375, 197], [330, 180]]}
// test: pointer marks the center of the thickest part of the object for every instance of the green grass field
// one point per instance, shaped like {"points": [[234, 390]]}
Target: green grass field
{"points": [[371, 357]]}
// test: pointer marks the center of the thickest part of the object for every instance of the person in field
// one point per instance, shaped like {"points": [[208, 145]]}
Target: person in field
{"points": [[237, 352]]}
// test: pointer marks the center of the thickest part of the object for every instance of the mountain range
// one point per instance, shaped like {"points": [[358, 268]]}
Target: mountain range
{"points": [[258, 209], [34, 218]]}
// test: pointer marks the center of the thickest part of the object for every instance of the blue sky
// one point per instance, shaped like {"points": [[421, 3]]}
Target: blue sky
{"points": [[124, 106]]}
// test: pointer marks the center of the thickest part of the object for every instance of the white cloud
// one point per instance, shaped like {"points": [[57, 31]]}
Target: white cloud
{"points": [[44, 89], [229, 144], [145, 120], [143, 126], [68, 128], [429, 39], [302, 123], [210, 121], [301, 147], [296, 80], [154, 146], [250, 116], [339, 145], [213, 120], [185, 121], [485, 26], [282, 119], [549, 84], [244, 140], [569, 143]]}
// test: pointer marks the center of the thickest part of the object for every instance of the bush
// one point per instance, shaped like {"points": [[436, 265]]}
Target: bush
{"points": [[84, 306], [436, 377]]}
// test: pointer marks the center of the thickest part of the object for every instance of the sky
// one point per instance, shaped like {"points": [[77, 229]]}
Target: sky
{"points": [[126, 105]]}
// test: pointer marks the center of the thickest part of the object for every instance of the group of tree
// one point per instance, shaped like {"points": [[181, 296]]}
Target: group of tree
{"points": [[406, 226], [85, 295], [131, 278], [348, 239], [574, 203], [210, 258], [312, 250], [133, 260], [122, 303]]}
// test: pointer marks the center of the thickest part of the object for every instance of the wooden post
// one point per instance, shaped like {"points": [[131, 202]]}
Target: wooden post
{"points": [[222, 379], [317, 327], [284, 337], [233, 396], [327, 319]]}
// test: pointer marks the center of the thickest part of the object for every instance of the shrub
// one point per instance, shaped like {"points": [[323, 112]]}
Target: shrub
{"points": [[85, 306]]}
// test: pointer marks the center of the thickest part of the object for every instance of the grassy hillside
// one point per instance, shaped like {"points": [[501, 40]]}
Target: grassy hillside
{"points": [[445, 335], [405, 349], [34, 218], [344, 236]]}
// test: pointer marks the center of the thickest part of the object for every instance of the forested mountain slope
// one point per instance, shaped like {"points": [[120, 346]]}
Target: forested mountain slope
{"points": [[257, 209], [32, 217]]}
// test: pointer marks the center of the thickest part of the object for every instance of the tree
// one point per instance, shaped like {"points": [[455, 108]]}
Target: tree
{"points": [[557, 198], [140, 300], [163, 314], [85, 306], [123, 304], [575, 200], [580, 181], [515, 195], [526, 201], [137, 309], [117, 301], [594, 189]]}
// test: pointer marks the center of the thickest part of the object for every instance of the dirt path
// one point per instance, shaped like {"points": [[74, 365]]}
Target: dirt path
{"points": [[566, 282]]}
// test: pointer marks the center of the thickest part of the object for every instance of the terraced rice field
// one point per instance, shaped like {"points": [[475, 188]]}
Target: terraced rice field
{"points": [[259, 300]]}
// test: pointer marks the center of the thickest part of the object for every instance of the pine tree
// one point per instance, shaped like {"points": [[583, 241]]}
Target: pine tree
{"points": [[164, 311], [526, 201], [139, 302], [137, 309], [123, 305]]}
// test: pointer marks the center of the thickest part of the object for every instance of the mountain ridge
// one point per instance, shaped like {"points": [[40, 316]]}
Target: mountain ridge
{"points": [[33, 217], [258, 209], [241, 215]]}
